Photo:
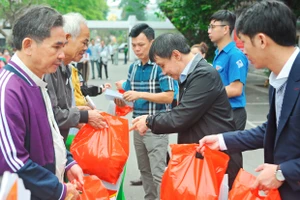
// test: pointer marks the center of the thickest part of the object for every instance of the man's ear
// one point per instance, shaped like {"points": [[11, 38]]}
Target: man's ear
{"points": [[27, 45], [176, 54], [262, 40], [68, 37], [226, 29]]}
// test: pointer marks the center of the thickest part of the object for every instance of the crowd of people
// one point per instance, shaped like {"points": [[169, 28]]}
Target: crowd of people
{"points": [[173, 89]]}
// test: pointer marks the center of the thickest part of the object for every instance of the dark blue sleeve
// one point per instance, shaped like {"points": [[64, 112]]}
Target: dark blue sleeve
{"points": [[70, 161], [238, 141], [42, 183]]}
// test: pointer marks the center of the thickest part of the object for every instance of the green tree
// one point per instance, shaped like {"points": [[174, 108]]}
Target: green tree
{"points": [[134, 7], [90, 9], [191, 17]]}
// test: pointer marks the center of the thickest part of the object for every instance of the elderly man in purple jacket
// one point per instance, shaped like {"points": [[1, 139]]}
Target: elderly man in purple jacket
{"points": [[30, 141]]}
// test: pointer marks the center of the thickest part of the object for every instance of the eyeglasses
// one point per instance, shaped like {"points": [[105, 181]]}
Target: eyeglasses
{"points": [[212, 26]]}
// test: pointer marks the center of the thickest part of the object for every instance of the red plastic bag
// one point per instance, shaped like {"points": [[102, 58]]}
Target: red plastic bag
{"points": [[123, 111], [241, 189], [103, 152], [93, 189], [189, 178]]}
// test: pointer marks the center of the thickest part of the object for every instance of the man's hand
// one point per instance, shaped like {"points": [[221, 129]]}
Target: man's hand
{"points": [[120, 102], [212, 141], [84, 107], [72, 193], [131, 95], [119, 84], [106, 86], [266, 180], [79, 126], [75, 174], [96, 119], [139, 124]]}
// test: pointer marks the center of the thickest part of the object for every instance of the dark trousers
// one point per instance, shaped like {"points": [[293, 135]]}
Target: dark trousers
{"points": [[112, 59], [125, 58], [240, 118], [236, 159], [105, 68], [83, 70]]}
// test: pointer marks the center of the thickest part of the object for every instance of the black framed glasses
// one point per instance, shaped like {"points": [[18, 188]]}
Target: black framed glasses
{"points": [[212, 26]]}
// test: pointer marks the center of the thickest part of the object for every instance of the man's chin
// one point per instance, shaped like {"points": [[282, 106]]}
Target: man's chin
{"points": [[77, 59]]}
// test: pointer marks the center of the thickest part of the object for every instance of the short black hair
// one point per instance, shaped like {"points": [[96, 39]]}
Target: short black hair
{"points": [[165, 44], [273, 18], [35, 22], [142, 28], [225, 16]]}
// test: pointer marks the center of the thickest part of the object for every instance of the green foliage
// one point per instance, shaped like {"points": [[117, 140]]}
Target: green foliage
{"points": [[134, 7], [191, 17], [90, 9]]}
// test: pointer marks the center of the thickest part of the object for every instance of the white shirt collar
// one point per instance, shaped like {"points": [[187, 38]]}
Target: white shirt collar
{"points": [[278, 81], [33, 76]]}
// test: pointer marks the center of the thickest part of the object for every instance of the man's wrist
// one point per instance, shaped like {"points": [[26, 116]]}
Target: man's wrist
{"points": [[149, 120], [222, 144], [278, 174], [140, 95]]}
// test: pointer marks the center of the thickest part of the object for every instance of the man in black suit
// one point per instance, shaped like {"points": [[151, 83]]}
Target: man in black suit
{"points": [[203, 106], [268, 31]]}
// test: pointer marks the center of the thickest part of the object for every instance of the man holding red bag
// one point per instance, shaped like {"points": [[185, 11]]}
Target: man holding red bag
{"points": [[268, 31], [152, 92], [203, 106]]}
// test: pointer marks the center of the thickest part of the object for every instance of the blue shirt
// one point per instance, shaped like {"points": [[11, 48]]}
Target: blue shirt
{"points": [[176, 89], [147, 78], [184, 73], [232, 65]]}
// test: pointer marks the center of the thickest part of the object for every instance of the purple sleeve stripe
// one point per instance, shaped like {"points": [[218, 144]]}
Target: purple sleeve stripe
{"points": [[70, 165], [63, 192]]}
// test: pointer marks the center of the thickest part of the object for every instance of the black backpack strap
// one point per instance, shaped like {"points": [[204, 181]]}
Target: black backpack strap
{"points": [[27, 134]]}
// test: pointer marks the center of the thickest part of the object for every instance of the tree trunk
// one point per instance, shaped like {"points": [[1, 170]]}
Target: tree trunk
{"points": [[3, 33]]}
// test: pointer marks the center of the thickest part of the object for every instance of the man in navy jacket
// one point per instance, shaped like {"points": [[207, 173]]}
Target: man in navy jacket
{"points": [[268, 31]]}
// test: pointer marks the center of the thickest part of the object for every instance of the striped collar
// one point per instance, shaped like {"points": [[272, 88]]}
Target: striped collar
{"points": [[139, 63], [31, 78]]}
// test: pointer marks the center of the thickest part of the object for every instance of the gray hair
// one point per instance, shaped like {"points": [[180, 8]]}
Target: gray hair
{"points": [[73, 21], [36, 23], [165, 44]]}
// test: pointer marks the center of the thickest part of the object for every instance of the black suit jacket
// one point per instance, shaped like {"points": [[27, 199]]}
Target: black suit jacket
{"points": [[203, 109], [281, 145]]}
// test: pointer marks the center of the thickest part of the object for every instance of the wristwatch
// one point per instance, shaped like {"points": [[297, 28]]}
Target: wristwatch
{"points": [[279, 175], [148, 120]]}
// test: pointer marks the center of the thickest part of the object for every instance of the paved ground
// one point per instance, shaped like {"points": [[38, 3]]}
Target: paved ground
{"points": [[257, 109]]}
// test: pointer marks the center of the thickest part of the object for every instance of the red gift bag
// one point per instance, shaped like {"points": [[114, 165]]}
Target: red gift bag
{"points": [[189, 178], [123, 111], [241, 189], [93, 189], [103, 152]]}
